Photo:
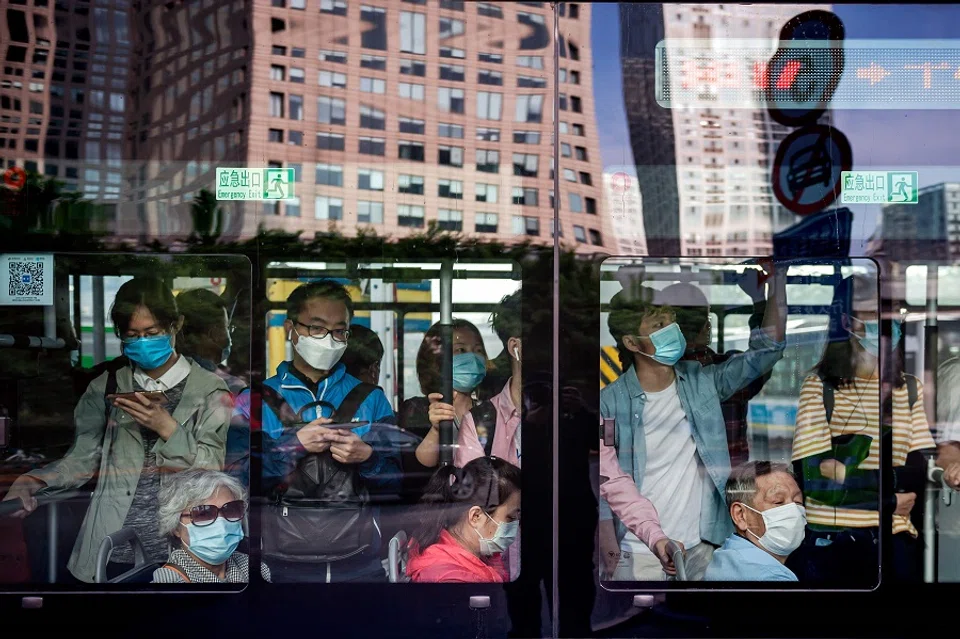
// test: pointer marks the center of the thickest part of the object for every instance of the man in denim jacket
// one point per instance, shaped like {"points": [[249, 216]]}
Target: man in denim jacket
{"points": [[665, 477]]}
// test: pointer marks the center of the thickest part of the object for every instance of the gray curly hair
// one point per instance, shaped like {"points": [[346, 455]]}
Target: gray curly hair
{"points": [[186, 489]]}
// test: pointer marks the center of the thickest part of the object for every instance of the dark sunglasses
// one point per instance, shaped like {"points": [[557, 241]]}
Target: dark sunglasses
{"points": [[205, 514]]}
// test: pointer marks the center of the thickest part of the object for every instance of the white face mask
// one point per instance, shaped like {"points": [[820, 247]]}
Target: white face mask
{"points": [[785, 528], [322, 353]]}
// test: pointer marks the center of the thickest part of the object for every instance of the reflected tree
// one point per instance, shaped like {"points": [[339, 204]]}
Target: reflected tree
{"points": [[207, 217]]}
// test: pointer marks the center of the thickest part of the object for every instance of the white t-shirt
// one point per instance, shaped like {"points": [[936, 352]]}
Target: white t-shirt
{"points": [[674, 477]]}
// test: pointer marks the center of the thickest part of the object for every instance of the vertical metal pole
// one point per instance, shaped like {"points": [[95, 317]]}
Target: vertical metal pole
{"points": [[930, 527], [401, 338], [99, 326], [52, 542], [77, 317], [931, 344], [555, 373], [446, 370], [381, 323]]}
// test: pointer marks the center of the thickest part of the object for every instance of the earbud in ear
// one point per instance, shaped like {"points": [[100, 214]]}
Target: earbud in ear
{"points": [[516, 353]]}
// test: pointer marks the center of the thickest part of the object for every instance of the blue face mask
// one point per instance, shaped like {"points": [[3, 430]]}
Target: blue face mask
{"points": [[670, 345], [215, 542], [469, 369], [148, 353], [870, 340], [502, 539]]}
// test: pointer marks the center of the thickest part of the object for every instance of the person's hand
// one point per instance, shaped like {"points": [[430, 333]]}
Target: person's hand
{"points": [[751, 282], [660, 550], [951, 476], [315, 436], [439, 411], [905, 502], [347, 447], [148, 414], [833, 469], [24, 489]]}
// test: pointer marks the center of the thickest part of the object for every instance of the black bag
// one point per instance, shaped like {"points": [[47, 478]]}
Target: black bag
{"points": [[485, 420], [321, 512]]}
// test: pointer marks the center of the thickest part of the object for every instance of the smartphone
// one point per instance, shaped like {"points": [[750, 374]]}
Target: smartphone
{"points": [[346, 425], [157, 397]]}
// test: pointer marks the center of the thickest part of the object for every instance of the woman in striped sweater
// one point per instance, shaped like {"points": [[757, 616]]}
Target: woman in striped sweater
{"points": [[837, 443]]}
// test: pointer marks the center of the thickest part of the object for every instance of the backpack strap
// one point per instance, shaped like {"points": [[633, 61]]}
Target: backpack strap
{"points": [[828, 398], [353, 401], [912, 391], [177, 570], [485, 415]]}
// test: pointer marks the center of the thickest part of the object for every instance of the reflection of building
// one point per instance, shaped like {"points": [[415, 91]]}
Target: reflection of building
{"points": [[929, 228], [705, 172], [64, 92], [623, 206], [393, 114]]}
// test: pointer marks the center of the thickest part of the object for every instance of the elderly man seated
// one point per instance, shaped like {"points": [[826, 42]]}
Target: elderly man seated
{"points": [[766, 507]]}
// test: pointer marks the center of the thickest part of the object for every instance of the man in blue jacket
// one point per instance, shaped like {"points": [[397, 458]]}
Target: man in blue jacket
{"points": [[313, 386]]}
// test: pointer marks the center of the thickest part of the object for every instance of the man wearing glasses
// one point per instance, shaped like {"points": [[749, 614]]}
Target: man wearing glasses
{"points": [[318, 472]]}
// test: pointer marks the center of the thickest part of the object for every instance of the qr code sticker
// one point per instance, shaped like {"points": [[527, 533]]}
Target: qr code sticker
{"points": [[25, 278]]}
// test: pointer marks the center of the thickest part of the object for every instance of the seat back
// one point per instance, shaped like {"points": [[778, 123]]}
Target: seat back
{"points": [[115, 540], [397, 558]]}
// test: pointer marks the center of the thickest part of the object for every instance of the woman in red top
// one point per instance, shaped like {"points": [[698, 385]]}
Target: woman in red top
{"points": [[472, 515]]}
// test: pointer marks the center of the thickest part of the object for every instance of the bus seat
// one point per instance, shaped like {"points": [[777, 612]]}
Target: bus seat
{"points": [[142, 571], [397, 559]]}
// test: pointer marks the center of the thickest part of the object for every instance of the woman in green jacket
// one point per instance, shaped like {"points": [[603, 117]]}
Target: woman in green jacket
{"points": [[177, 419]]}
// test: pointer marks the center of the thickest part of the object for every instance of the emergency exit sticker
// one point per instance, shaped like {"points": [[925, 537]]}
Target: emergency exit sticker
{"points": [[879, 187]]}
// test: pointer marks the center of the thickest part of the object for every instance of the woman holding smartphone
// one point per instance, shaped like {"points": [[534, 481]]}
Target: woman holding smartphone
{"points": [[159, 414]]}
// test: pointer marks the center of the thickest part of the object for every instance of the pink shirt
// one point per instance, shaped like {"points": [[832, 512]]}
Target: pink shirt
{"points": [[636, 512], [504, 439]]}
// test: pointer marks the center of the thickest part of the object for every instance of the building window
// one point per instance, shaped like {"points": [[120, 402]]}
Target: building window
{"points": [[412, 91], [450, 131], [375, 36], [278, 50], [275, 135], [487, 134], [292, 207], [531, 82], [276, 105], [450, 100], [412, 67], [452, 72], [410, 184], [373, 85], [331, 110], [570, 175], [525, 196], [565, 150], [411, 151], [412, 125], [413, 32], [297, 75], [372, 146], [492, 58], [449, 220], [452, 5], [372, 118], [529, 108], [585, 179], [452, 189], [333, 80], [328, 208], [489, 105], [329, 174], [278, 72], [488, 161], [525, 164], [295, 138], [489, 10], [375, 62], [369, 180], [486, 193], [530, 61], [452, 52], [486, 222], [576, 105], [410, 216], [574, 10], [338, 57], [578, 130], [576, 203], [526, 137], [595, 238], [591, 205], [296, 107], [563, 101], [330, 141], [450, 155], [579, 234], [526, 225], [369, 212], [298, 52], [334, 7], [450, 28], [493, 78]]}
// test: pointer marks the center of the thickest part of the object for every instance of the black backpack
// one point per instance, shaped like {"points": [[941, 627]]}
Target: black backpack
{"points": [[320, 512], [485, 419], [828, 398]]}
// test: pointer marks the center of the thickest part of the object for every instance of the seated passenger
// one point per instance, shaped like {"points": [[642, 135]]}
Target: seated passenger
{"points": [[766, 507], [471, 516], [201, 513], [132, 440], [320, 525], [948, 421], [363, 355], [670, 464]]}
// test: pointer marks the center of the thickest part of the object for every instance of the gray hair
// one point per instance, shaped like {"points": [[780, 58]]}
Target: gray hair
{"points": [[184, 490], [742, 483]]}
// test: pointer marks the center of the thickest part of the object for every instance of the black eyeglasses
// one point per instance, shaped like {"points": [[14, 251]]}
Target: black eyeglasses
{"points": [[206, 514], [339, 334]]}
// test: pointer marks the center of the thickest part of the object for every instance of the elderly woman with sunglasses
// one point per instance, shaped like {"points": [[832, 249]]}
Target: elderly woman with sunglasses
{"points": [[201, 512]]}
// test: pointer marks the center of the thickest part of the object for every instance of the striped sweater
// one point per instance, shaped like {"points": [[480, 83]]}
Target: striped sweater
{"points": [[856, 416]]}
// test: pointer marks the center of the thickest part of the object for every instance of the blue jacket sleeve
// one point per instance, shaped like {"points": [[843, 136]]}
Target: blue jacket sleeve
{"points": [[738, 371], [280, 454], [382, 471]]}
